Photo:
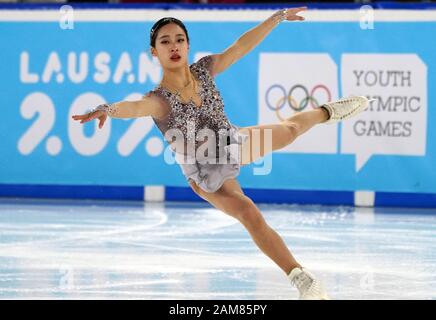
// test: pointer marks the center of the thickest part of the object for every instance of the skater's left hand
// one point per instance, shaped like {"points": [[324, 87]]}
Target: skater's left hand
{"points": [[291, 14]]}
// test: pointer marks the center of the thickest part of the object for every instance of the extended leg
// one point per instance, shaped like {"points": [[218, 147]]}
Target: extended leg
{"points": [[287, 131], [231, 200], [282, 134]]}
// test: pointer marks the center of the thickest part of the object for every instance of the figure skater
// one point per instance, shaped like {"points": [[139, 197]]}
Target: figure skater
{"points": [[188, 96]]}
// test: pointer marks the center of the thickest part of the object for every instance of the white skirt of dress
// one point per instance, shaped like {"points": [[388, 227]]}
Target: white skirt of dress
{"points": [[211, 176]]}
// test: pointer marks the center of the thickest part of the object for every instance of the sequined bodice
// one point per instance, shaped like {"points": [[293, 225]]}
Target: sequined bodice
{"points": [[189, 118]]}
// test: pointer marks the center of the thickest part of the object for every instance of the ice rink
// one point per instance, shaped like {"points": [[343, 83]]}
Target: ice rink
{"points": [[71, 249]]}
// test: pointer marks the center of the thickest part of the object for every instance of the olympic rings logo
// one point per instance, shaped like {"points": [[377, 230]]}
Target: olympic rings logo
{"points": [[287, 97]]}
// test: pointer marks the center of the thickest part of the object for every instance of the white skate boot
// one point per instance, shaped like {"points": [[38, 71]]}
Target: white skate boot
{"points": [[345, 108], [309, 287]]}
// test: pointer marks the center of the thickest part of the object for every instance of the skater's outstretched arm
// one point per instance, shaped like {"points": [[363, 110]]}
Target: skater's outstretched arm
{"points": [[252, 38], [147, 106]]}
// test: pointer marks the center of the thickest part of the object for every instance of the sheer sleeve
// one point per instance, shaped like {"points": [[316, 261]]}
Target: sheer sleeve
{"points": [[164, 106], [205, 63]]}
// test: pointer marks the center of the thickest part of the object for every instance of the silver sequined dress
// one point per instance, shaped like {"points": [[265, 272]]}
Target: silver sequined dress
{"points": [[211, 168]]}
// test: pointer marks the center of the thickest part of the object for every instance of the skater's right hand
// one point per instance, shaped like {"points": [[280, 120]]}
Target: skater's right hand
{"points": [[97, 114]]}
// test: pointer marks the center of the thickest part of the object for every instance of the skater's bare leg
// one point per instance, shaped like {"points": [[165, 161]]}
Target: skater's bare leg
{"points": [[231, 200], [282, 134]]}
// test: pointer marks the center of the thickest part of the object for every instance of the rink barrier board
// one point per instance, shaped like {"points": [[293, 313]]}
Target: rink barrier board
{"points": [[162, 193], [394, 199]]}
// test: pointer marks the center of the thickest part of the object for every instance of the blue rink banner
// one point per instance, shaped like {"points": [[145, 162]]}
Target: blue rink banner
{"points": [[51, 70]]}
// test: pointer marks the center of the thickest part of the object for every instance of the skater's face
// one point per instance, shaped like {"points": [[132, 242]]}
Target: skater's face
{"points": [[171, 47]]}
